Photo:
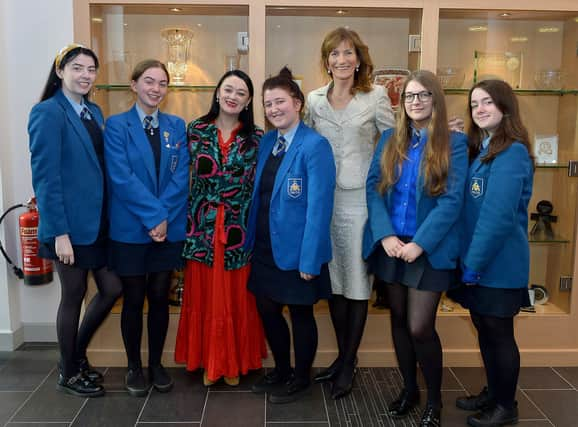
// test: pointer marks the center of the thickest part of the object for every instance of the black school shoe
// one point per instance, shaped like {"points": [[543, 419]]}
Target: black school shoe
{"points": [[271, 381], [477, 402], [431, 417], [293, 390], [79, 386], [495, 417], [89, 371], [136, 383], [404, 403], [160, 378]]}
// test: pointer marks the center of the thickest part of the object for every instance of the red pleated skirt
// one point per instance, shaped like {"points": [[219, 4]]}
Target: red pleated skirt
{"points": [[219, 329]]}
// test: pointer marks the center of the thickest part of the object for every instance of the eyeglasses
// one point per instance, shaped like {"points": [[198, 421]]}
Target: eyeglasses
{"points": [[408, 97]]}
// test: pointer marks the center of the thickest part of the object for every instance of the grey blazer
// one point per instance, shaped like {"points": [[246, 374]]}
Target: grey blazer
{"points": [[352, 132]]}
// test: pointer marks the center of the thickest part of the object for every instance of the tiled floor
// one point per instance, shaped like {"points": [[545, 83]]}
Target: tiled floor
{"points": [[546, 396]]}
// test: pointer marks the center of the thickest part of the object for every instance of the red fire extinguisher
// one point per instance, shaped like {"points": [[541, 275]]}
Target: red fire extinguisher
{"points": [[35, 270]]}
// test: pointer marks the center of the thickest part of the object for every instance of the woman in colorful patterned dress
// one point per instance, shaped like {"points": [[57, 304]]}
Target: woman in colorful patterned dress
{"points": [[219, 328]]}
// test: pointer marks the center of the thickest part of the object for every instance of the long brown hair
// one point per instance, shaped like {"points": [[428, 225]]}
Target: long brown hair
{"points": [[436, 158], [362, 79], [510, 130]]}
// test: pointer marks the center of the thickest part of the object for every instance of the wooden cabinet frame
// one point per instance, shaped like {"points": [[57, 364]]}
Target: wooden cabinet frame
{"points": [[544, 339]]}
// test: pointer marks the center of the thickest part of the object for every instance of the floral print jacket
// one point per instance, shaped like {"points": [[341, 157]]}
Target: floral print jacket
{"points": [[217, 181]]}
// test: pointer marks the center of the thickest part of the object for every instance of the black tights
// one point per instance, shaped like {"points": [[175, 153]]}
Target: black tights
{"points": [[155, 286], [72, 340], [277, 332], [413, 316], [348, 317], [501, 356]]}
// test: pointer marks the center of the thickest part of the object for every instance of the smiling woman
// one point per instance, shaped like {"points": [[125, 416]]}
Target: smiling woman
{"points": [[415, 188], [147, 166], [66, 143], [219, 328], [150, 87], [351, 113], [289, 232]]}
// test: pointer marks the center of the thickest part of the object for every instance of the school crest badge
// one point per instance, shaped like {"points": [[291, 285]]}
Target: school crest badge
{"points": [[477, 187], [294, 187]]}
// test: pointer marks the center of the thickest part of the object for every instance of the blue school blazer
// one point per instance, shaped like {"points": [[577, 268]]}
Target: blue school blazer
{"points": [[495, 218], [437, 216], [301, 202], [66, 176], [138, 200]]}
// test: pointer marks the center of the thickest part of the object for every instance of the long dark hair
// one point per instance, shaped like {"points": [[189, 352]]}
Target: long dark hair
{"points": [[246, 114], [510, 130], [437, 152], [54, 83], [284, 80]]}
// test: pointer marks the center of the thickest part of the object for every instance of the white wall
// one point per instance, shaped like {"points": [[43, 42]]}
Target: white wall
{"points": [[31, 33]]}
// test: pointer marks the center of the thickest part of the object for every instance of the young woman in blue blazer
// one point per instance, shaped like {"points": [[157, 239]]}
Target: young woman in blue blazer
{"points": [[495, 254], [147, 166], [67, 159], [415, 189], [289, 232]]}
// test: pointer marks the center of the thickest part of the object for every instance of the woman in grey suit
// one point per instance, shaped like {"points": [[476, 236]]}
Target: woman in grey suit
{"points": [[351, 113]]}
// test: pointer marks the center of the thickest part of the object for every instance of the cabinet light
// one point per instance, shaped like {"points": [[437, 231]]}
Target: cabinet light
{"points": [[548, 29]]}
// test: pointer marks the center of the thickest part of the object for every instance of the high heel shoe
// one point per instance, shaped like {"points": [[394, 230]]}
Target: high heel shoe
{"points": [[329, 373], [206, 381], [231, 381], [343, 383]]}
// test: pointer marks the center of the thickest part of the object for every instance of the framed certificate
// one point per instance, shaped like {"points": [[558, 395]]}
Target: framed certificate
{"points": [[546, 149]]}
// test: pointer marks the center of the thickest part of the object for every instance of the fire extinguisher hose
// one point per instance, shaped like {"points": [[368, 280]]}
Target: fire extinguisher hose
{"points": [[17, 270]]}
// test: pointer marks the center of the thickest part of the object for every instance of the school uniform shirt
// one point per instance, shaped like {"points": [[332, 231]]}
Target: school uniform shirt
{"points": [[139, 198], [437, 231], [495, 218]]}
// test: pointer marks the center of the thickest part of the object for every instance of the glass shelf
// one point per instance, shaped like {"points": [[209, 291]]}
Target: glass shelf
{"points": [[551, 165], [544, 241], [123, 87], [536, 92]]}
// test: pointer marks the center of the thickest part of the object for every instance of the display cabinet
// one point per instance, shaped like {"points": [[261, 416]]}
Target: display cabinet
{"points": [[196, 42], [535, 52], [534, 48]]}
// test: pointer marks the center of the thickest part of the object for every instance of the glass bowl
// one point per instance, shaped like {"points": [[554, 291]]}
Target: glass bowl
{"points": [[451, 77], [549, 79]]}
